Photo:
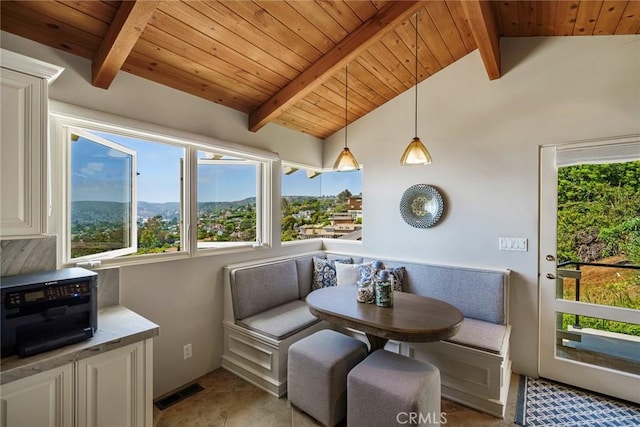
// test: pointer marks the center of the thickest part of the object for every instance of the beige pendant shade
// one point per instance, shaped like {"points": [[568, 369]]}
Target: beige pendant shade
{"points": [[416, 153], [346, 161]]}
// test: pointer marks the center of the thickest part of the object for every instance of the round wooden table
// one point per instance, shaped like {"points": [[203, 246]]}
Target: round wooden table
{"points": [[413, 318]]}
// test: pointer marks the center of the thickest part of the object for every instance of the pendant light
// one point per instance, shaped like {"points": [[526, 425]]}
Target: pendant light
{"points": [[416, 153], [346, 160]]}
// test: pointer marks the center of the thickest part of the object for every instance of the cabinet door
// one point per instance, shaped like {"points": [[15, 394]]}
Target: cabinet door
{"points": [[23, 154], [112, 387], [44, 399]]}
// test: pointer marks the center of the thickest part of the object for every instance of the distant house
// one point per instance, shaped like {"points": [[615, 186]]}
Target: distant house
{"points": [[342, 225], [354, 203], [354, 206]]}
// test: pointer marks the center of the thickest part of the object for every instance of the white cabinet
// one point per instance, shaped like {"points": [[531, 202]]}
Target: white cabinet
{"points": [[23, 144], [44, 399], [112, 388]]}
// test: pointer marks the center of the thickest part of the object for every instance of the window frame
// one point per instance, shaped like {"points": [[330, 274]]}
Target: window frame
{"points": [[260, 218], [299, 167], [133, 229], [64, 115]]}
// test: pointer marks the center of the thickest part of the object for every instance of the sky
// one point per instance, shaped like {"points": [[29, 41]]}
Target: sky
{"points": [[327, 184], [97, 171]]}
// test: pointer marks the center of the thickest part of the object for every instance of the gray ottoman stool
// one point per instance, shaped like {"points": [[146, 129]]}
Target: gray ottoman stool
{"points": [[387, 389], [317, 374]]}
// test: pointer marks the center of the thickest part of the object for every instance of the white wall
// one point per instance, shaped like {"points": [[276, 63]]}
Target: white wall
{"points": [[484, 137]]}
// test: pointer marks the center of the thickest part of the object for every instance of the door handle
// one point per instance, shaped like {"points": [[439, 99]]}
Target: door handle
{"points": [[550, 276], [550, 258]]}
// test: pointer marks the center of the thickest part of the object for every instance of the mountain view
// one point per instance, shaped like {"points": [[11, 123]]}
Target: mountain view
{"points": [[98, 226]]}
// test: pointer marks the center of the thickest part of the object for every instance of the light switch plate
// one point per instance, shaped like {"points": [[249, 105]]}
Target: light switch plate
{"points": [[513, 244]]}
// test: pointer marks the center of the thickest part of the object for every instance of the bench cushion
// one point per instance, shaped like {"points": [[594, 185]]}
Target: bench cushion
{"points": [[481, 335], [282, 321], [304, 267], [478, 294], [258, 288]]}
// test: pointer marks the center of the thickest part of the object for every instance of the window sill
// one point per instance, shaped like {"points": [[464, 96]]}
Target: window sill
{"points": [[327, 244], [132, 260], [337, 243], [244, 247], [125, 261]]}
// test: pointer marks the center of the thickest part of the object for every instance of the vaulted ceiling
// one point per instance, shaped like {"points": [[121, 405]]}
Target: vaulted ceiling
{"points": [[284, 61]]}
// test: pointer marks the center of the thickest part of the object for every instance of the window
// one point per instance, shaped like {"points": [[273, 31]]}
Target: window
{"points": [[135, 194], [102, 196], [228, 189], [321, 204], [125, 195]]}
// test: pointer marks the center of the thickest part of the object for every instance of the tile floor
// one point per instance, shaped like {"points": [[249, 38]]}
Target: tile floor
{"points": [[230, 401]]}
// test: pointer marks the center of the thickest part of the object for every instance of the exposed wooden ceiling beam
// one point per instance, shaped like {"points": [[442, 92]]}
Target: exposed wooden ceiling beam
{"points": [[122, 35], [485, 33], [341, 54]]}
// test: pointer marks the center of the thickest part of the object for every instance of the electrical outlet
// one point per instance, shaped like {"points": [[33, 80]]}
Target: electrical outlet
{"points": [[186, 351]]}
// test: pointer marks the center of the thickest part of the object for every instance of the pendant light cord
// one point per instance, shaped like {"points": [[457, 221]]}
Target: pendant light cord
{"points": [[416, 77], [346, 91]]}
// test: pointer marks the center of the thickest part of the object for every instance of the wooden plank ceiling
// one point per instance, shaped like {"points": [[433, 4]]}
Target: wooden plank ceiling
{"points": [[283, 61]]}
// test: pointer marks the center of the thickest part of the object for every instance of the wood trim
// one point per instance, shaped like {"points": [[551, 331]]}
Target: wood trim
{"points": [[127, 26], [485, 32], [347, 50]]}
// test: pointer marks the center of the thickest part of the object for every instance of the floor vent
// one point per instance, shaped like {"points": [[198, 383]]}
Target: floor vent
{"points": [[176, 397]]}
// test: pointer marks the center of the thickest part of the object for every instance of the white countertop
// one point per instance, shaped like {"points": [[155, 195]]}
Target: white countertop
{"points": [[117, 326]]}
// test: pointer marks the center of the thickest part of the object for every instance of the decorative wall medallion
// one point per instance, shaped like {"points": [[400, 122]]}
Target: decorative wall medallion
{"points": [[421, 206]]}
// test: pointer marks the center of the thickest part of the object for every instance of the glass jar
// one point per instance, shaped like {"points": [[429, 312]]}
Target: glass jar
{"points": [[384, 293], [366, 292]]}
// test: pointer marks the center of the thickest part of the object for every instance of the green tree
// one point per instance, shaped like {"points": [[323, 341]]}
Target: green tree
{"points": [[151, 234], [285, 207], [344, 195], [148, 240], [599, 211]]}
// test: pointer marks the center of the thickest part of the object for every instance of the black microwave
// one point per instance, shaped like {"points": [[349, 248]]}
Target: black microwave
{"points": [[47, 310]]}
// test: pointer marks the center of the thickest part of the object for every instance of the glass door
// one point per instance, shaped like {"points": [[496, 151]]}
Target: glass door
{"points": [[590, 266]]}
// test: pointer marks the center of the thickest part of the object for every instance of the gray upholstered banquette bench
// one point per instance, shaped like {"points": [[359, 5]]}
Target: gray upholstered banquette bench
{"points": [[265, 312]]}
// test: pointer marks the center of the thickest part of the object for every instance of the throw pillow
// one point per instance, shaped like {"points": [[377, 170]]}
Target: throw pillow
{"points": [[366, 271], [398, 277], [348, 274], [324, 272]]}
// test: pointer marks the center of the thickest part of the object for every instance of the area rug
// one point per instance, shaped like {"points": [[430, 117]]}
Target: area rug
{"points": [[543, 402]]}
